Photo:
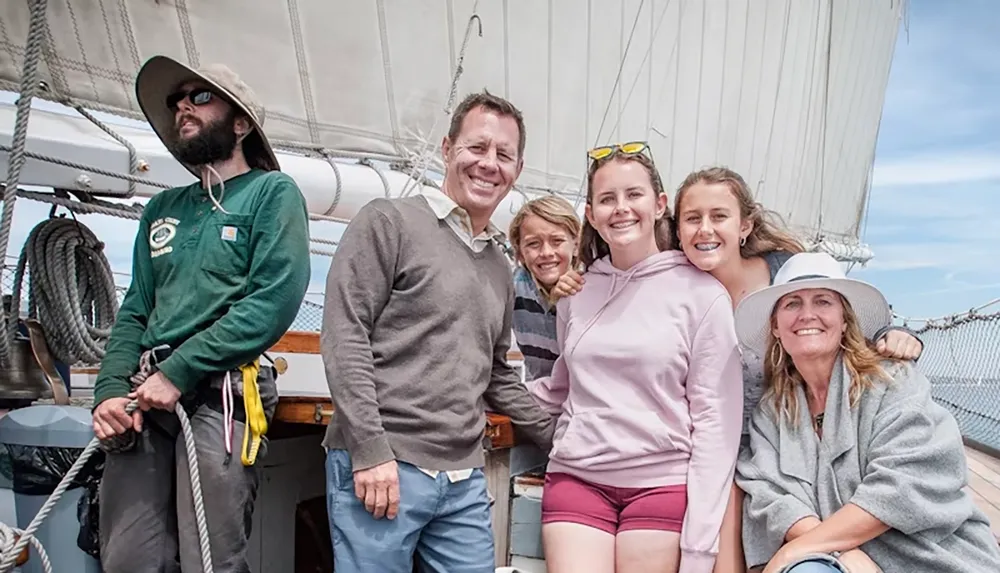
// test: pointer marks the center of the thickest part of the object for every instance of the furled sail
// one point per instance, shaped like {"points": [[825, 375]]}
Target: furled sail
{"points": [[789, 93]]}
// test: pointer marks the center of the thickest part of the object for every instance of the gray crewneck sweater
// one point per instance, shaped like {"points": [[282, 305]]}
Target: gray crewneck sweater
{"points": [[416, 328]]}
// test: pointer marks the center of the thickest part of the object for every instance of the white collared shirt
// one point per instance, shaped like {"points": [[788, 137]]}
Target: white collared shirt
{"points": [[458, 220]]}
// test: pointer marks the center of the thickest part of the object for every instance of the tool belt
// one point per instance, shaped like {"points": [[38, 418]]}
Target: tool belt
{"points": [[218, 392]]}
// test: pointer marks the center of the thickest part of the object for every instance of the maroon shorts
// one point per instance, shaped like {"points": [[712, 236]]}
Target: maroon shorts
{"points": [[612, 509]]}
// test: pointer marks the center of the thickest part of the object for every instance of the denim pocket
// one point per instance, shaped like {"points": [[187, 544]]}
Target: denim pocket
{"points": [[339, 472]]}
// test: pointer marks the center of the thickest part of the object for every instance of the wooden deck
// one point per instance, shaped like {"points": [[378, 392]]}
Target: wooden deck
{"points": [[984, 485]]}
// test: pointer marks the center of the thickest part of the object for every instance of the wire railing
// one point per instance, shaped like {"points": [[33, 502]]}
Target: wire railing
{"points": [[962, 359]]}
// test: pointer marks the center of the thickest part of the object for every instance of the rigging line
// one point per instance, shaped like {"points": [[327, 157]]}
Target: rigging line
{"points": [[621, 67], [611, 96], [645, 57], [423, 159], [826, 113], [666, 76], [951, 317], [37, 24], [82, 167]]}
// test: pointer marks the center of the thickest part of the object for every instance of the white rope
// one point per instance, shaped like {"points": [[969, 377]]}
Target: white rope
{"points": [[10, 553], [321, 252], [8, 539], [323, 241]]}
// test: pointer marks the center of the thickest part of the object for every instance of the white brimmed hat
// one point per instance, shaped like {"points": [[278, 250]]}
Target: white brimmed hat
{"points": [[804, 271], [161, 75]]}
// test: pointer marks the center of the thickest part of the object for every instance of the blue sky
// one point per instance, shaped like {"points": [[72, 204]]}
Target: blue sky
{"points": [[932, 221], [933, 217]]}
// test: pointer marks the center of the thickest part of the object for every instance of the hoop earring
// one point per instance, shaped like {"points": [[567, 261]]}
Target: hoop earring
{"points": [[743, 241], [777, 356]]}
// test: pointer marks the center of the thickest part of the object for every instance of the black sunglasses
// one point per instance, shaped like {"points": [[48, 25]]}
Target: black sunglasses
{"points": [[197, 96]]}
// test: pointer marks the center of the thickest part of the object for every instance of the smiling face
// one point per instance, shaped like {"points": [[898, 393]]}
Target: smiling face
{"points": [[623, 208], [810, 324], [546, 249], [709, 225], [482, 162]]}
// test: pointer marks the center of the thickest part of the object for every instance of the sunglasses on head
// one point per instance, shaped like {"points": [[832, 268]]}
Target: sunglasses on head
{"points": [[197, 96], [630, 148]]}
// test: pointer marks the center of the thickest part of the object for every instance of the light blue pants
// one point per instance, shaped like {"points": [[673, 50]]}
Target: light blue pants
{"points": [[816, 566], [444, 525]]}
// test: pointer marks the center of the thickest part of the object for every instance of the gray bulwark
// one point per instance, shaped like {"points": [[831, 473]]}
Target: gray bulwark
{"points": [[48, 426]]}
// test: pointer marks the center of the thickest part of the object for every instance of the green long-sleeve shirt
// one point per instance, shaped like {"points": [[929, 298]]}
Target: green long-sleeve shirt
{"points": [[219, 288]]}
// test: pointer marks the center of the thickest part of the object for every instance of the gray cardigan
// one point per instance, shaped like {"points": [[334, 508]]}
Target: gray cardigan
{"points": [[753, 365], [898, 455]]}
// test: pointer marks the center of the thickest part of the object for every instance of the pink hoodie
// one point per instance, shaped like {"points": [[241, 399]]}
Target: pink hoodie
{"points": [[648, 389]]}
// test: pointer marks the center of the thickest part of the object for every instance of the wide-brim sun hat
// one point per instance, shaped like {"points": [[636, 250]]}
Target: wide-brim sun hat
{"points": [[809, 271], [161, 75]]}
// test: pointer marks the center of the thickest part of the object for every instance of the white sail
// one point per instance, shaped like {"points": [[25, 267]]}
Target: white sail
{"points": [[787, 92]]}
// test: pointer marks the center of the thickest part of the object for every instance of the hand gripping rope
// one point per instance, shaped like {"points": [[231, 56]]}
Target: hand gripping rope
{"points": [[10, 549]]}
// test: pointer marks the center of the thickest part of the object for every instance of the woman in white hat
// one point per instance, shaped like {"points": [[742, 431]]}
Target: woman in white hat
{"points": [[851, 463]]}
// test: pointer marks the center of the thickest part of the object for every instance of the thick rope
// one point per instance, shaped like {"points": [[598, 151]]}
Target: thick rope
{"points": [[10, 554], [93, 207], [71, 290], [8, 538], [29, 84], [133, 157]]}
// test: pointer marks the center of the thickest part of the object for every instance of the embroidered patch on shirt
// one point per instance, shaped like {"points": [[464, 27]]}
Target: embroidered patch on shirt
{"points": [[229, 233]]}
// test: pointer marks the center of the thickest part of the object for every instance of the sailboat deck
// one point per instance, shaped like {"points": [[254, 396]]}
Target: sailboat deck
{"points": [[984, 484]]}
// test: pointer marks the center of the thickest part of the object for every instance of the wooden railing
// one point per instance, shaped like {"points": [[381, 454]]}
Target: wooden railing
{"points": [[316, 410]]}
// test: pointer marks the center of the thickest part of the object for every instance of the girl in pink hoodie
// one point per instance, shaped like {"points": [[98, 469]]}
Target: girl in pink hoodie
{"points": [[647, 388]]}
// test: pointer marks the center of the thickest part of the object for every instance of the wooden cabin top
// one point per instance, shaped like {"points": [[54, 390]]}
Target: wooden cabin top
{"points": [[317, 409]]}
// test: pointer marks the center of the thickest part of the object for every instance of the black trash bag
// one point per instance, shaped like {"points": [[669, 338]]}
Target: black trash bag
{"points": [[88, 513], [37, 470]]}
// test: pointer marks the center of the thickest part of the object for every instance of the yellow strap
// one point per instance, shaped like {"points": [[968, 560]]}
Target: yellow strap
{"points": [[256, 424]]}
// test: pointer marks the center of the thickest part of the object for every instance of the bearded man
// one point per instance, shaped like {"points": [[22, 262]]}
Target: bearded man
{"points": [[219, 270]]}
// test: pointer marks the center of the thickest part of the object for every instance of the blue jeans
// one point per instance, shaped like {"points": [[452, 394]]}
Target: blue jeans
{"points": [[445, 525]]}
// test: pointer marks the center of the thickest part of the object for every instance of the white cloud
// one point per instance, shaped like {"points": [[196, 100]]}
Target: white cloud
{"points": [[937, 169], [948, 256]]}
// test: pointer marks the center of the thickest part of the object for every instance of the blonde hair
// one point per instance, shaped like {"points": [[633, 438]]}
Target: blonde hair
{"points": [[551, 209], [767, 234], [863, 362], [592, 245]]}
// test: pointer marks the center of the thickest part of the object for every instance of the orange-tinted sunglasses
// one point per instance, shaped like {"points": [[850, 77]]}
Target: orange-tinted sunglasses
{"points": [[630, 148]]}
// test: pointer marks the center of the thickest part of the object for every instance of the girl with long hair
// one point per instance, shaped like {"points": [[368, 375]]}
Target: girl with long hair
{"points": [[723, 231], [645, 389]]}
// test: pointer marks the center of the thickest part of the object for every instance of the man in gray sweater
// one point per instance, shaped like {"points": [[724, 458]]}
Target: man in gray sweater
{"points": [[416, 328]]}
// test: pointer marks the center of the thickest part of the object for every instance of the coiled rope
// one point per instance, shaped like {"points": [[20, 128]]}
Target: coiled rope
{"points": [[71, 289], [10, 549]]}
